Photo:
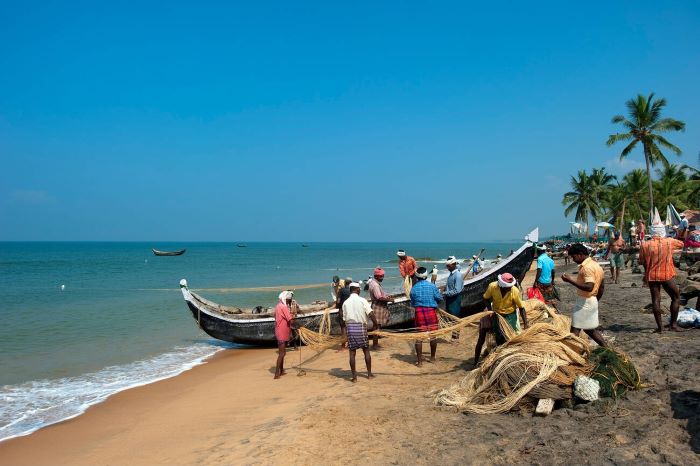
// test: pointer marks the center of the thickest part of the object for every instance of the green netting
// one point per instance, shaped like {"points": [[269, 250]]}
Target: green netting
{"points": [[614, 371]]}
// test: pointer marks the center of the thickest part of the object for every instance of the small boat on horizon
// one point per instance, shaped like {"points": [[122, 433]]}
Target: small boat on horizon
{"points": [[257, 326], [168, 253], [304, 245], [242, 245]]}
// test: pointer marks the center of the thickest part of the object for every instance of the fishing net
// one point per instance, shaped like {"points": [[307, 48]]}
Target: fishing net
{"points": [[540, 362], [614, 371]]}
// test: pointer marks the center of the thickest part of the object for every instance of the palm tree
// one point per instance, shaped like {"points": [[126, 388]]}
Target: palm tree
{"points": [[645, 125], [694, 183], [583, 198], [672, 187], [602, 182]]}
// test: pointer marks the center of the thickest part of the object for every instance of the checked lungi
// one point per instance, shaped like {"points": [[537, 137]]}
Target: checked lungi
{"points": [[549, 292], [357, 335], [426, 318]]}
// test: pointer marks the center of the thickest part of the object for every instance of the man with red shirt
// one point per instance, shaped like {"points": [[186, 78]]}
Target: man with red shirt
{"points": [[407, 265], [284, 322], [656, 256]]}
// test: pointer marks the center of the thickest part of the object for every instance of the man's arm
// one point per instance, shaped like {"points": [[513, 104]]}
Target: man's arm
{"points": [[601, 290], [374, 320], [487, 304], [553, 273], [586, 286], [537, 276]]}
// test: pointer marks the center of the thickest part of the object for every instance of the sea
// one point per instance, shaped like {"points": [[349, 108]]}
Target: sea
{"points": [[84, 320]]}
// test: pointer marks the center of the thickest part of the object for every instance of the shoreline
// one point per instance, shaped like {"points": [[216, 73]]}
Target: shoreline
{"points": [[229, 410]]}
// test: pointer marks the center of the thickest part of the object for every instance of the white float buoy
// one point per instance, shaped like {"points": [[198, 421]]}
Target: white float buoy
{"points": [[63, 287]]}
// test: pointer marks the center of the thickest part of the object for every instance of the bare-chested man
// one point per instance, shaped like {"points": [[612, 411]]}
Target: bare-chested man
{"points": [[616, 247]]}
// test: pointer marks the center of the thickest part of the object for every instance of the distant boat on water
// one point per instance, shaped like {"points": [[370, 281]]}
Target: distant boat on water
{"points": [[242, 245], [304, 245], [168, 253]]}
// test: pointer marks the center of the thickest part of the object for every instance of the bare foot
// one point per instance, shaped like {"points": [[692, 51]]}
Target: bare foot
{"points": [[673, 328], [276, 376], [658, 330], [419, 363], [353, 380], [283, 373], [431, 360], [377, 347], [370, 376]]}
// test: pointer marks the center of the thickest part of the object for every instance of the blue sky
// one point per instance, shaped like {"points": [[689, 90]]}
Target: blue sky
{"points": [[298, 121]]}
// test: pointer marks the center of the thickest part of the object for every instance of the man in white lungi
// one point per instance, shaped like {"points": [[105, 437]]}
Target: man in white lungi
{"points": [[590, 285]]}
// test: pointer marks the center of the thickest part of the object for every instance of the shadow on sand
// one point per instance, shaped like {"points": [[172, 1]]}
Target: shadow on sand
{"points": [[686, 405]]}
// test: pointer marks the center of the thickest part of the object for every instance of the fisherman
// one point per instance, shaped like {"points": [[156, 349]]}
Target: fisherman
{"points": [[343, 294], [682, 228], [633, 234], [640, 231], [503, 298], [284, 322], [656, 256], [453, 290], [544, 280], [616, 247], [497, 259], [434, 274], [407, 265], [356, 310], [379, 300], [424, 298], [476, 265], [590, 284]]}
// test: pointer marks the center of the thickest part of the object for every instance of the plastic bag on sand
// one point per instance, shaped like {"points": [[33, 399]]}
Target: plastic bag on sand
{"points": [[586, 388], [689, 317], [407, 285]]}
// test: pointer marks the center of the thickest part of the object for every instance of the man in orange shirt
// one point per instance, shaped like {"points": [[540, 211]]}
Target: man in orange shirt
{"points": [[407, 265], [656, 256], [590, 284]]}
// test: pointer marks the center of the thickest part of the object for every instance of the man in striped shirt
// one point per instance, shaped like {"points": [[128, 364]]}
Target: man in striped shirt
{"points": [[656, 256]]}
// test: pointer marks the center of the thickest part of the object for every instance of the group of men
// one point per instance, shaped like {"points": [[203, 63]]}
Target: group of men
{"points": [[503, 297]]}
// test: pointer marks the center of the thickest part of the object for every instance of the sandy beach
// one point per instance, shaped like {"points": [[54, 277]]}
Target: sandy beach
{"points": [[231, 411]]}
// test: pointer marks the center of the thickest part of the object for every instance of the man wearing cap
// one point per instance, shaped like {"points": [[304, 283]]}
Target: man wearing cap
{"points": [[343, 294], [407, 265], [503, 298], [616, 247], [656, 256], [284, 323], [356, 310], [453, 290], [682, 228], [424, 299], [590, 284], [379, 301], [544, 280]]}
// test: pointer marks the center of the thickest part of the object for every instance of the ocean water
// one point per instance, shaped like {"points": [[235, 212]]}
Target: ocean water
{"points": [[82, 321]]}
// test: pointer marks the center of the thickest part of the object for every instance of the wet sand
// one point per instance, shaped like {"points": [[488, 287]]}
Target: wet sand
{"points": [[231, 411]]}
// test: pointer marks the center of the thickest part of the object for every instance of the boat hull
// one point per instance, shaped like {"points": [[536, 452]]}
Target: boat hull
{"points": [[261, 331]]}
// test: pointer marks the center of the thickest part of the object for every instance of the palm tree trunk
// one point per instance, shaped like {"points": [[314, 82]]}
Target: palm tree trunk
{"points": [[622, 216], [651, 192]]}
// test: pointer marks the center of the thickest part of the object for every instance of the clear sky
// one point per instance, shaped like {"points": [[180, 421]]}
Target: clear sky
{"points": [[327, 121]]}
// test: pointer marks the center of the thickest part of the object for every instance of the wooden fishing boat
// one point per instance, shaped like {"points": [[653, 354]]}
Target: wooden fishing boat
{"points": [[257, 326], [168, 253]]}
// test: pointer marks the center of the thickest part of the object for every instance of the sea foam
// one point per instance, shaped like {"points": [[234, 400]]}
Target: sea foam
{"points": [[29, 406]]}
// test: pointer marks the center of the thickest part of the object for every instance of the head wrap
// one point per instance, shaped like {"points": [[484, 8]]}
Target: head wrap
{"points": [[474, 256], [355, 285], [451, 260], [378, 272], [422, 272], [285, 295], [348, 280], [401, 253], [682, 215], [506, 280], [658, 229], [542, 247]]}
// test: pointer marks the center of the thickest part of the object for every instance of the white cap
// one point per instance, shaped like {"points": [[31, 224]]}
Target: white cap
{"points": [[354, 285], [451, 260]]}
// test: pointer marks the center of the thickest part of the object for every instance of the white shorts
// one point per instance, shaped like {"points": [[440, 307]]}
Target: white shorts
{"points": [[585, 313]]}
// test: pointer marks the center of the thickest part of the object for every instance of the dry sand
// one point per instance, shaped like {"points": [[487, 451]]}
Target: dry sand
{"points": [[231, 411]]}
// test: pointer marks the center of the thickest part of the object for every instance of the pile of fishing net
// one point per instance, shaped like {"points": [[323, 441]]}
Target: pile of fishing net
{"points": [[540, 362]]}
